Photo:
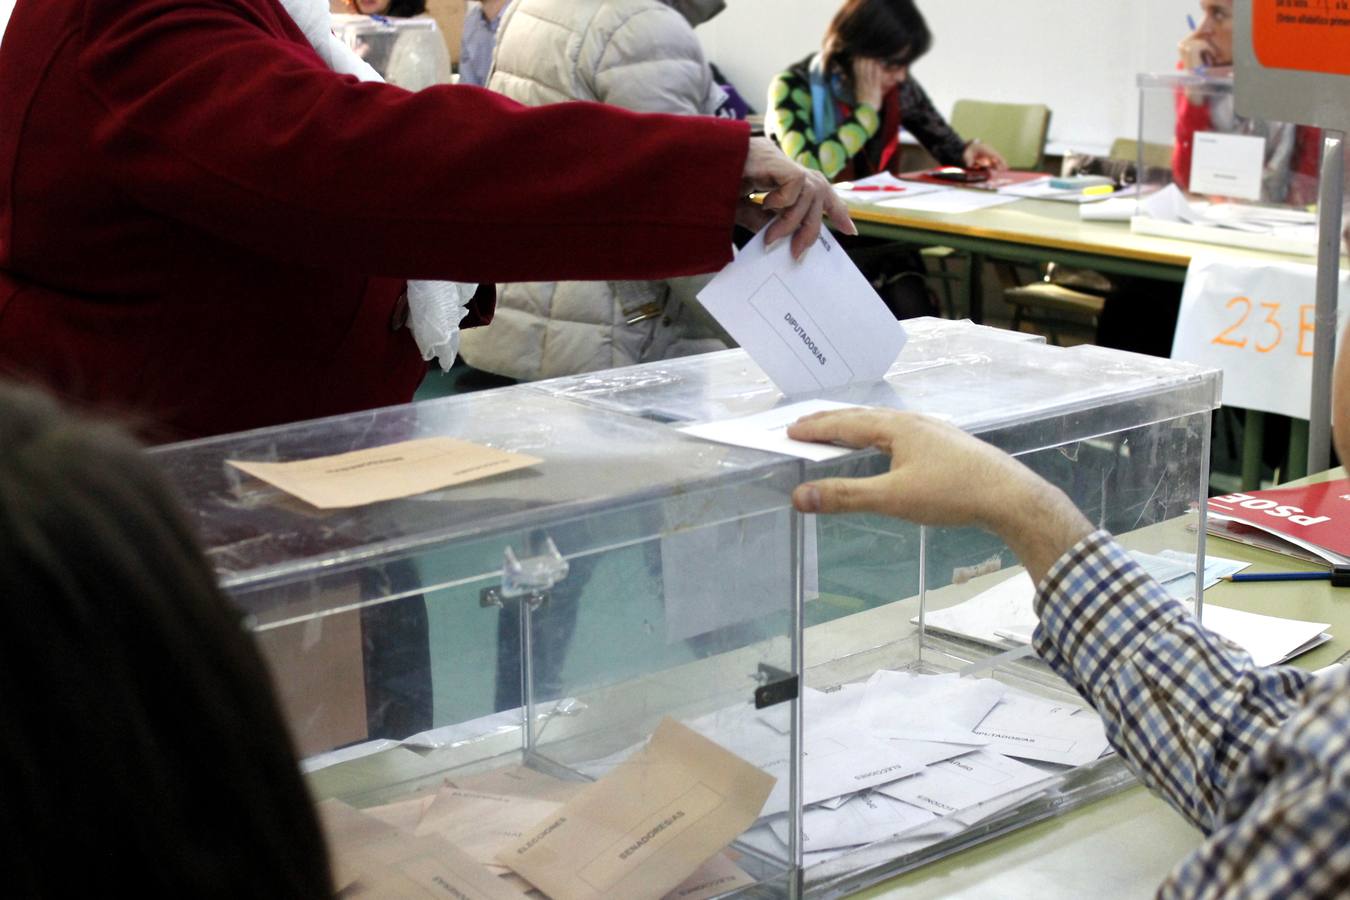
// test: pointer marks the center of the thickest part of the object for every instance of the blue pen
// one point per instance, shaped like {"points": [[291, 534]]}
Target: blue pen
{"points": [[1339, 576], [1190, 20]]}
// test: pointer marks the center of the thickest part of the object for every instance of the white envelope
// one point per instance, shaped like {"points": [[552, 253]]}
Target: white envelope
{"points": [[810, 325], [1029, 727], [976, 779], [864, 818], [928, 707]]}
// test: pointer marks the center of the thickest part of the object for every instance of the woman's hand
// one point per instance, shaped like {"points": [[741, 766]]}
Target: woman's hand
{"points": [[800, 197], [869, 81], [982, 156], [942, 476]]}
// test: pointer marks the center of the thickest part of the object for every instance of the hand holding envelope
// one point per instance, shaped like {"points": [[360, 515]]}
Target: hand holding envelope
{"points": [[811, 325]]}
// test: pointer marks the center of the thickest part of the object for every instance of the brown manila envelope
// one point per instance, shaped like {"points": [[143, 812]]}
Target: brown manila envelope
{"points": [[481, 824], [518, 781], [385, 473], [714, 878], [649, 824], [372, 858]]}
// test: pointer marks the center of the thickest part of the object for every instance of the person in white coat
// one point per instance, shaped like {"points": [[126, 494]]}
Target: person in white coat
{"points": [[642, 55]]}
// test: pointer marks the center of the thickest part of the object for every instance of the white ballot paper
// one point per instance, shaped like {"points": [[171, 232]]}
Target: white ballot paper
{"points": [[928, 707], [1227, 164], [862, 819], [1029, 727], [810, 325], [1005, 613], [969, 781], [768, 430]]}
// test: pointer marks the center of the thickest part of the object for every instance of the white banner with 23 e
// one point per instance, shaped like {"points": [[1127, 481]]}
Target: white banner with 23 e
{"points": [[1255, 321]]}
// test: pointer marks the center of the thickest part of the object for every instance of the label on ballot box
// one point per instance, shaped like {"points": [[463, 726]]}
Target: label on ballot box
{"points": [[1254, 321]]}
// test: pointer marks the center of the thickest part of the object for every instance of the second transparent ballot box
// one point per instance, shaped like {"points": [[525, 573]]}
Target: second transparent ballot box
{"points": [[919, 681], [1232, 179], [466, 662]]}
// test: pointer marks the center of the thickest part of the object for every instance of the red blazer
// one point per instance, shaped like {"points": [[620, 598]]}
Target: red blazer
{"points": [[205, 228]]}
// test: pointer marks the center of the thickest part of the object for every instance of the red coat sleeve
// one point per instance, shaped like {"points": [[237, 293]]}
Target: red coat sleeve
{"points": [[1191, 117], [216, 113]]}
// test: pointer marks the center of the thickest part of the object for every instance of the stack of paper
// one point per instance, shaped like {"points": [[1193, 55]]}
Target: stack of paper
{"points": [[1004, 614], [907, 754]]}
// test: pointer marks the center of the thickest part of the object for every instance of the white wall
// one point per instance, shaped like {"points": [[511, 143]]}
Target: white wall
{"points": [[1079, 57]]}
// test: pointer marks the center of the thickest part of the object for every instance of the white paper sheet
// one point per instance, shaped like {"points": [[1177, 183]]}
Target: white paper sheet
{"points": [[768, 430], [1269, 639], [1227, 164], [862, 819], [810, 325], [881, 186], [1029, 727], [951, 200], [1112, 209], [981, 777], [928, 707], [838, 758]]}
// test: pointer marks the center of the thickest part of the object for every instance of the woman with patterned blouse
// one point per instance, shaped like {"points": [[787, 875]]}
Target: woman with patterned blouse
{"points": [[840, 111]]}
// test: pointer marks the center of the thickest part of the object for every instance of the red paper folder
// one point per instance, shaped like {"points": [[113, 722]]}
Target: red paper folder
{"points": [[1310, 522], [996, 180]]}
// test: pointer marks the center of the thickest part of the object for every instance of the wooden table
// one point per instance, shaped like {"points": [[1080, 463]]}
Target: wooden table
{"points": [[1039, 231]]}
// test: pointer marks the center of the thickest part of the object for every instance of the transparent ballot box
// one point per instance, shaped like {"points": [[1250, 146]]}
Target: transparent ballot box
{"points": [[410, 53], [929, 725], [589, 663], [1233, 179]]}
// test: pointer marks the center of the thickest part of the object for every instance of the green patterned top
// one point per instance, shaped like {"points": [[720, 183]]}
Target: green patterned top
{"points": [[789, 123], [855, 138]]}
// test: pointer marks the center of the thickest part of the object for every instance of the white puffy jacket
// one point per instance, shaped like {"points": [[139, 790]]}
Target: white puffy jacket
{"points": [[641, 55]]}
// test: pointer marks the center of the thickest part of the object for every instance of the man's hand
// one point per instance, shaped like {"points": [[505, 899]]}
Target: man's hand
{"points": [[1197, 52], [982, 156], [942, 476], [800, 196]]}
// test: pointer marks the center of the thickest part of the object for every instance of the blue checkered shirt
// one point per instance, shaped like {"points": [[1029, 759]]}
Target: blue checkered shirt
{"points": [[1256, 757]]}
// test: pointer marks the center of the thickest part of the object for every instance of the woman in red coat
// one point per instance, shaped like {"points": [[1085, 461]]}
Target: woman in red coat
{"points": [[205, 227]]}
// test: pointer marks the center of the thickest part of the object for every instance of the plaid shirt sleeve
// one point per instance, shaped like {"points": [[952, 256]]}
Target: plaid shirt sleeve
{"points": [[1254, 756]]}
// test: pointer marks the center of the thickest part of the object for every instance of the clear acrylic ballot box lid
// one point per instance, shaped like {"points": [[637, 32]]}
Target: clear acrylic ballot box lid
{"points": [[913, 634], [1232, 179], [519, 635], [410, 53]]}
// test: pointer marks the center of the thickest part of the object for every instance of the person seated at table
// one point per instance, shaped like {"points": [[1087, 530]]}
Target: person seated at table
{"points": [[1256, 757], [840, 111], [143, 743], [1290, 172]]}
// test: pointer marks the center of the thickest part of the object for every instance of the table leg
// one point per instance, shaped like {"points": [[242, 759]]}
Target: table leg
{"points": [[975, 288], [1253, 439], [1297, 465]]}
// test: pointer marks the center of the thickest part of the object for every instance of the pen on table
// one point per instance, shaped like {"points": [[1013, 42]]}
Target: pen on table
{"points": [[1099, 189], [850, 186], [1339, 576]]}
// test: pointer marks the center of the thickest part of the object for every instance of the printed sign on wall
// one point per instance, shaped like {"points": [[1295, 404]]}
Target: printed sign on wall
{"points": [[1307, 35], [1255, 321]]}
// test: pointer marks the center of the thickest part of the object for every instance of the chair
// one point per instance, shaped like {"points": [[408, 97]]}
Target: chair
{"points": [[1017, 131], [1073, 305]]}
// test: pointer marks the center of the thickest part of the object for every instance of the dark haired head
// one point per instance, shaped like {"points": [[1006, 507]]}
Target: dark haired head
{"points": [[402, 9], [892, 31], [141, 742]]}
